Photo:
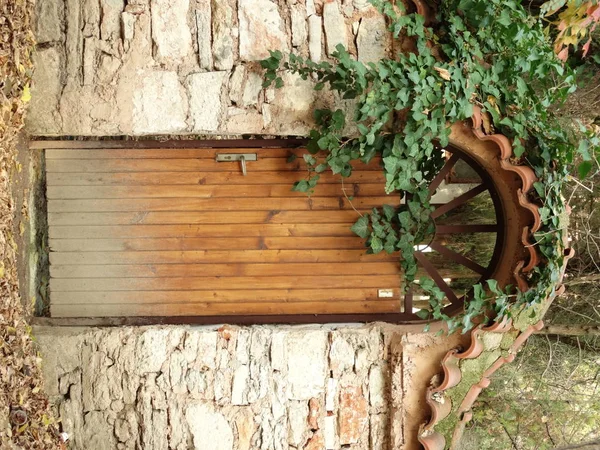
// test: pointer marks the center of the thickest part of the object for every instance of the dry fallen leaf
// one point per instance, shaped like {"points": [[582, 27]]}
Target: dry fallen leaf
{"points": [[488, 128], [21, 382], [443, 73]]}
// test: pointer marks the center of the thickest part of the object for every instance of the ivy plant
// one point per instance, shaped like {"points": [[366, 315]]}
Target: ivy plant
{"points": [[486, 53]]}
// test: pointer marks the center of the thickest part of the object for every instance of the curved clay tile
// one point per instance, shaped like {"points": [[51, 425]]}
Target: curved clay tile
{"points": [[531, 248]]}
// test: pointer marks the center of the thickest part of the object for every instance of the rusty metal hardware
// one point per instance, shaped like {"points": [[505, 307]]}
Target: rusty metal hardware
{"points": [[241, 157]]}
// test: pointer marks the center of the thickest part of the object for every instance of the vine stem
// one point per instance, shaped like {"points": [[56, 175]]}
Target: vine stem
{"points": [[348, 198], [544, 234], [570, 178]]}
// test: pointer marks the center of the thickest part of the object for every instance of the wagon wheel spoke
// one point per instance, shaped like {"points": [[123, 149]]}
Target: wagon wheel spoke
{"points": [[461, 199], [459, 258], [460, 229], [436, 277], [442, 174], [408, 300]]}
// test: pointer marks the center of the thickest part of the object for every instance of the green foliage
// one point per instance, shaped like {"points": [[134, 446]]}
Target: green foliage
{"points": [[548, 398], [495, 56]]}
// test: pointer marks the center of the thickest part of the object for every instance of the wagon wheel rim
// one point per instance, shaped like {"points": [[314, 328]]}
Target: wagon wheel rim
{"points": [[485, 271]]}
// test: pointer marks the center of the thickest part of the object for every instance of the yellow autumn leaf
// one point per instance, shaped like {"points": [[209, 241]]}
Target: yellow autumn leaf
{"points": [[26, 96], [492, 101]]}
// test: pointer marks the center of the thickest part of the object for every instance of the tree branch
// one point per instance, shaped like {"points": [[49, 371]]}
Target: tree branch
{"points": [[571, 330]]}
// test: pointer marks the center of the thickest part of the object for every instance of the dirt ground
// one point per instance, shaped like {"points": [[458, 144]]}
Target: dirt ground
{"points": [[26, 419]]}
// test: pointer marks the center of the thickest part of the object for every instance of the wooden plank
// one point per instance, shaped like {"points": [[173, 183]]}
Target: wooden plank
{"points": [[217, 256], [213, 283], [190, 230], [211, 191], [219, 296], [176, 153], [208, 204], [224, 270], [179, 143], [182, 165], [204, 243], [234, 270], [192, 218], [202, 178], [212, 309]]}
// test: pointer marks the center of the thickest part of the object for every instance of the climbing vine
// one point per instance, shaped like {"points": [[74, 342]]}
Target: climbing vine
{"points": [[486, 53]]}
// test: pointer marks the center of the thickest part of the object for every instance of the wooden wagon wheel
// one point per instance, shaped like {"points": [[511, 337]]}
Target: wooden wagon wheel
{"points": [[513, 219]]}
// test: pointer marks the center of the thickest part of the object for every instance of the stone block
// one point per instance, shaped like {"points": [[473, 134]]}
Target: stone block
{"points": [[90, 49], [43, 117], [329, 433], [107, 68], [48, 20], [261, 29], [307, 363], [353, 414], [341, 355], [236, 84], [110, 27], [266, 114], [242, 121], [361, 5], [159, 104], [204, 34], [316, 441], [335, 26], [278, 350], [373, 39], [222, 39], [151, 350], [297, 422], [98, 432], [378, 431], [205, 99], [315, 37], [245, 426], [128, 24], [252, 89], [209, 428], [170, 30], [207, 349], [293, 105], [240, 386], [298, 19], [377, 387], [314, 413], [331, 394]]}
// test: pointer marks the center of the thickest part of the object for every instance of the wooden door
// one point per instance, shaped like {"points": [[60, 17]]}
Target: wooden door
{"points": [[173, 232]]}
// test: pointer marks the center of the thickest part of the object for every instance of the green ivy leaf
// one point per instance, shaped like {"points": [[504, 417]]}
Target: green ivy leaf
{"points": [[301, 186], [361, 227], [423, 314], [376, 244], [584, 168]]}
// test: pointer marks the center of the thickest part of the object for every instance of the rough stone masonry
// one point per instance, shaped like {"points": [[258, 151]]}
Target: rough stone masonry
{"points": [[139, 67], [241, 388]]}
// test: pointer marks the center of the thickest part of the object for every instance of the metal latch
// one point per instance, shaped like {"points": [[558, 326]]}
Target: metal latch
{"points": [[241, 157]]}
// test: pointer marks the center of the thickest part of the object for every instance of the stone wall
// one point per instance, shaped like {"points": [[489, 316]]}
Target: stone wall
{"points": [[241, 388], [138, 67]]}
